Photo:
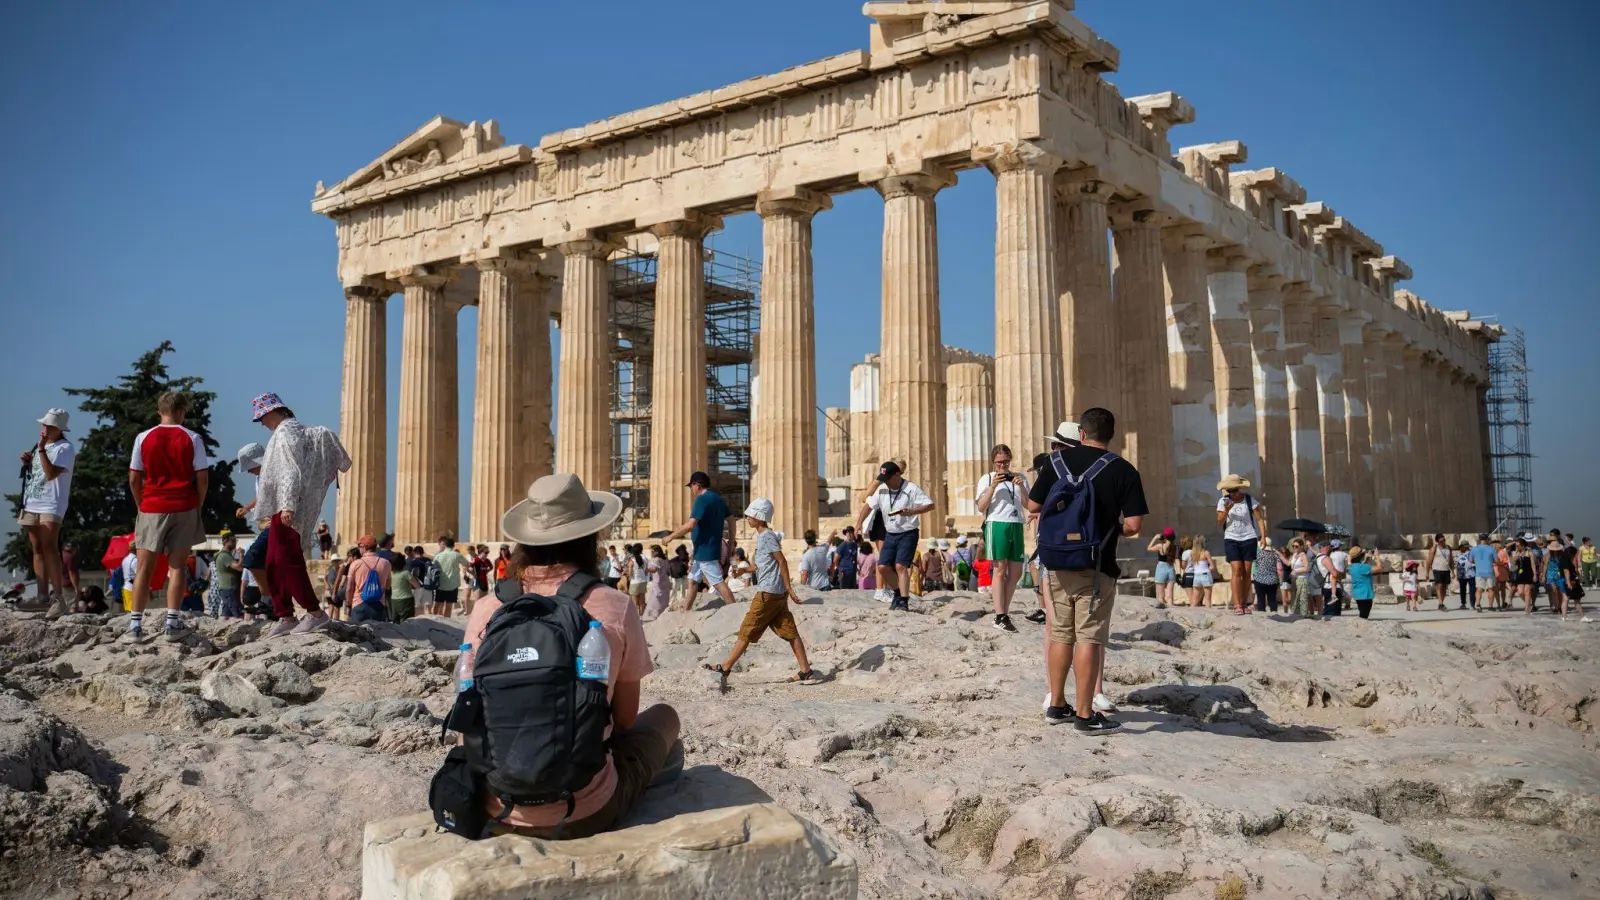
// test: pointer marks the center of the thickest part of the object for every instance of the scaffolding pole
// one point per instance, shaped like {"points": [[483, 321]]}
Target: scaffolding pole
{"points": [[1510, 450], [732, 291]]}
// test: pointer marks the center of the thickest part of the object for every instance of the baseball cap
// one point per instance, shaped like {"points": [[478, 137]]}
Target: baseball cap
{"points": [[1335, 543], [699, 478], [888, 470], [760, 508]]}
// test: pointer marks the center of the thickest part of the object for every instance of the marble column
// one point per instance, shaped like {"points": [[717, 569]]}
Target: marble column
{"points": [[1456, 443], [427, 478], [1483, 472], [783, 447], [864, 458], [1380, 406], [1425, 424], [679, 432], [1228, 293], [1139, 306], [969, 433], [1305, 416], [1415, 466], [836, 444], [537, 457], [504, 437], [1274, 435], [583, 413], [364, 416], [1358, 429], [1027, 364], [1328, 360], [1089, 348], [911, 426], [1193, 375]]}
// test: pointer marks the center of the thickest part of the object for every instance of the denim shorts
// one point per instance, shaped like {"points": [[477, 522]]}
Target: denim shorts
{"points": [[255, 556], [1165, 573], [1202, 579]]}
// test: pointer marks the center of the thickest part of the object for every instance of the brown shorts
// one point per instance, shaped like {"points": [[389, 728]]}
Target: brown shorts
{"points": [[31, 519], [174, 534], [1077, 615], [768, 611], [638, 754]]}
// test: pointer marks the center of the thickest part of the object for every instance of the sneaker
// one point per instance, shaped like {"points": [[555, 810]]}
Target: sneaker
{"points": [[1097, 724], [308, 624], [1002, 622], [174, 634], [901, 605], [284, 626], [58, 608], [1586, 620], [1037, 617], [131, 636], [882, 595], [1057, 715], [1103, 704]]}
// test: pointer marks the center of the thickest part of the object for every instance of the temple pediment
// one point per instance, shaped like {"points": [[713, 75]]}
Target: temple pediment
{"points": [[439, 142]]}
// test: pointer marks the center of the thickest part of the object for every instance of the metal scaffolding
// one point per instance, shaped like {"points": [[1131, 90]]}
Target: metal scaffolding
{"points": [[1510, 451], [732, 290]]}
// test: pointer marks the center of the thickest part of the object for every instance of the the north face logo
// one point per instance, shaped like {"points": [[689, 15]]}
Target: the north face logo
{"points": [[523, 655]]}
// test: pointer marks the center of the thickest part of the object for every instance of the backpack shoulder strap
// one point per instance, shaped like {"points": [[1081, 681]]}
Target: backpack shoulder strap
{"points": [[1100, 465], [576, 586], [1060, 466]]}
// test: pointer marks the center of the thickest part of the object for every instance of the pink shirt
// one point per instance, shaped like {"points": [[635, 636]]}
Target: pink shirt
{"points": [[356, 575], [630, 661]]}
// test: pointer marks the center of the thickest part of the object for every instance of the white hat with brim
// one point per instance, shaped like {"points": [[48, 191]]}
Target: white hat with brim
{"points": [[760, 509], [251, 456], [55, 417], [558, 509], [1231, 482], [1066, 433], [961, 541]]}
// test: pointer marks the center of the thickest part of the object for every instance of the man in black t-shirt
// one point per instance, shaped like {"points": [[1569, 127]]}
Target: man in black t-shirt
{"points": [[1082, 601]]}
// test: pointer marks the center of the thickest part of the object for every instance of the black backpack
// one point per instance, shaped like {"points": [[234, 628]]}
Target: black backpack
{"points": [[532, 731]]}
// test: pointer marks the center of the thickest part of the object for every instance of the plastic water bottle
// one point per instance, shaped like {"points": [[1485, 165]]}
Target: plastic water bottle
{"points": [[594, 655], [464, 665]]}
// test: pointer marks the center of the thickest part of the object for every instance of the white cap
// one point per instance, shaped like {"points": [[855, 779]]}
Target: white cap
{"points": [[760, 509], [56, 417], [961, 541], [251, 455]]}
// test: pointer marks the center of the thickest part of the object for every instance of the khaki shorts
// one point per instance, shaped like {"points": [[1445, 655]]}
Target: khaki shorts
{"points": [[31, 519], [768, 611], [174, 534], [1077, 615]]}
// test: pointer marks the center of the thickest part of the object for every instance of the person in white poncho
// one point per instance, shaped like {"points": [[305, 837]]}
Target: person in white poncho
{"points": [[300, 464]]}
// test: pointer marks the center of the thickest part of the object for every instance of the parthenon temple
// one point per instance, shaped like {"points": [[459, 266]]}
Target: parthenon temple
{"points": [[1232, 324]]}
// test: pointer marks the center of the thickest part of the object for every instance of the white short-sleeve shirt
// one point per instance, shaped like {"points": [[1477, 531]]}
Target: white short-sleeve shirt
{"points": [[1240, 525], [887, 501], [48, 496], [1005, 505]]}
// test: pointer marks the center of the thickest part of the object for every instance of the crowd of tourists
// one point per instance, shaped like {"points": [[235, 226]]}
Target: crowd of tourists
{"points": [[555, 622]]}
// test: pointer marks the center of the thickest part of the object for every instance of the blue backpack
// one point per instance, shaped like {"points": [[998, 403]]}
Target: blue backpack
{"points": [[1069, 539], [372, 591]]}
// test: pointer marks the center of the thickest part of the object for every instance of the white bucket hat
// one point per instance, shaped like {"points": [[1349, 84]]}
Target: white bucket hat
{"points": [[57, 417], [559, 509], [760, 508], [251, 456]]}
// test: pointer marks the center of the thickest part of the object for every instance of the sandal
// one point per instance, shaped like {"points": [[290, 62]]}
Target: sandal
{"points": [[717, 669], [808, 677]]}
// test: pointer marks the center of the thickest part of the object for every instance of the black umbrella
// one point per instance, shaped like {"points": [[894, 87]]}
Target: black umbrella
{"points": [[1302, 525]]}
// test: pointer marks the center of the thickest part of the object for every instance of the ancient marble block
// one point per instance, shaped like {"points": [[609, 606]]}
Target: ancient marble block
{"points": [[761, 850]]}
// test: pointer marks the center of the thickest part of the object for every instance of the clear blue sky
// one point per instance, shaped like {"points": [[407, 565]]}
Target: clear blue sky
{"points": [[162, 157]]}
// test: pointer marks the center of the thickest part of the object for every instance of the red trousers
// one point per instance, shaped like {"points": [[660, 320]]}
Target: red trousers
{"points": [[286, 571]]}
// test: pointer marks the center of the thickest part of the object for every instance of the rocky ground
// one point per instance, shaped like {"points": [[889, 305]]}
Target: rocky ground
{"points": [[1440, 755]]}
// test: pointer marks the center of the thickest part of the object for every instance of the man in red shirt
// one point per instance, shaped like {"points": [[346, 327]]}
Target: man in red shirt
{"points": [[168, 477]]}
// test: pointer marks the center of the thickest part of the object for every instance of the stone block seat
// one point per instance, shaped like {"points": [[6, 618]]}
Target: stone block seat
{"points": [[755, 850]]}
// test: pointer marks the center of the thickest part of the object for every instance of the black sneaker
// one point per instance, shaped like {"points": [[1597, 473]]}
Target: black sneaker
{"points": [[900, 604], [1059, 715], [1003, 623], [1097, 724], [1037, 617]]}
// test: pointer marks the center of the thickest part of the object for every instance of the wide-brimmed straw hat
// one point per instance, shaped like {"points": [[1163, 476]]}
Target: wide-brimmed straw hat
{"points": [[1066, 433], [1232, 482], [559, 509]]}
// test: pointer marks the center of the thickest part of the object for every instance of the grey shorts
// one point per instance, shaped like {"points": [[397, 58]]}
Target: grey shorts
{"points": [[174, 534]]}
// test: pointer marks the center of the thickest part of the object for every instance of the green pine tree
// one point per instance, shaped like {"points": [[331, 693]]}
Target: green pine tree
{"points": [[100, 506]]}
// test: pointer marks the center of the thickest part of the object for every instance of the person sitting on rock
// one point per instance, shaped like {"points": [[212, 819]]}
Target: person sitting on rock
{"points": [[557, 531], [774, 592]]}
